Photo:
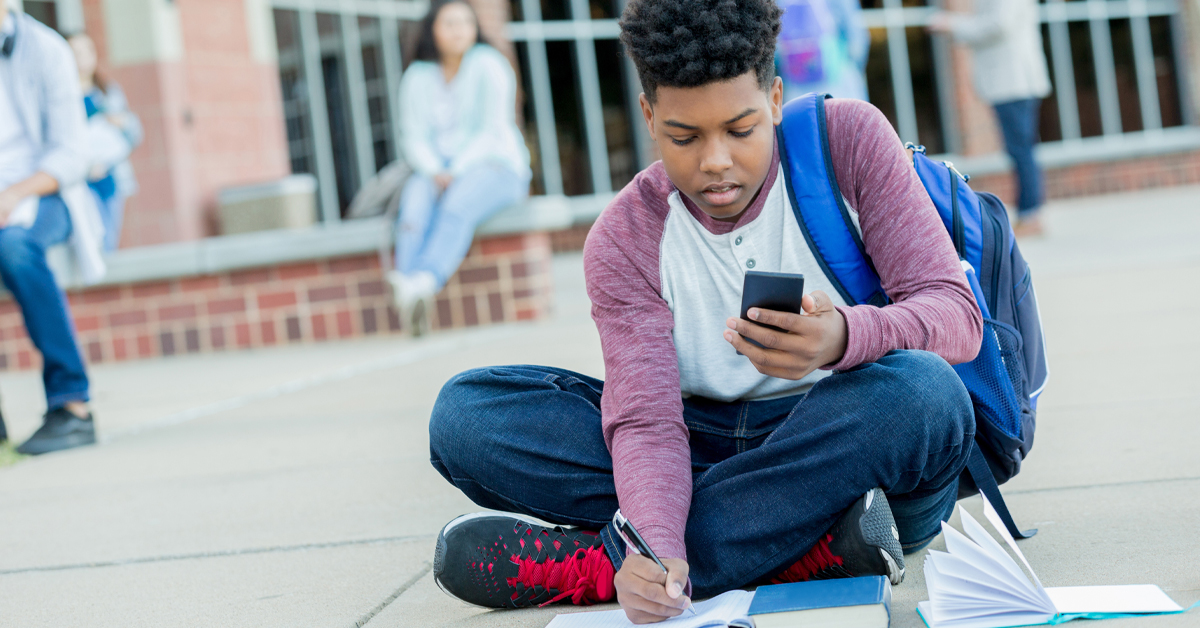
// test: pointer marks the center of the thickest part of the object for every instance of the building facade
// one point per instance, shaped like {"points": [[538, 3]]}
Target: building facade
{"points": [[239, 91]]}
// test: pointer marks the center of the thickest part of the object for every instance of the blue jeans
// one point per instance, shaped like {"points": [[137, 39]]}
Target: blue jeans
{"points": [[435, 228], [44, 306], [768, 477], [1019, 124]]}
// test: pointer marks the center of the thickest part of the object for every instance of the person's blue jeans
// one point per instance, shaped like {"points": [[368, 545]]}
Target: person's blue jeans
{"points": [[44, 306], [768, 477], [1019, 123], [436, 227]]}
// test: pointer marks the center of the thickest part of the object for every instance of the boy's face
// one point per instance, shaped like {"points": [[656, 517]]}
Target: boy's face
{"points": [[717, 140]]}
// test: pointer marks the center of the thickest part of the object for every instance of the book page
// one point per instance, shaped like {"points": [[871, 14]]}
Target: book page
{"points": [[1130, 598], [717, 612]]}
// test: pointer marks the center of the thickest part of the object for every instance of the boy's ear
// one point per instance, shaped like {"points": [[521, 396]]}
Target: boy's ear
{"points": [[648, 114], [776, 97]]}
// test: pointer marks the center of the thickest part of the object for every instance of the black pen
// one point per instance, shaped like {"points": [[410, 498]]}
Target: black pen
{"points": [[635, 540]]}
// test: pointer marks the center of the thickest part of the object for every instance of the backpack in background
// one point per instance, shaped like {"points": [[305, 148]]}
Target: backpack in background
{"points": [[1009, 373]]}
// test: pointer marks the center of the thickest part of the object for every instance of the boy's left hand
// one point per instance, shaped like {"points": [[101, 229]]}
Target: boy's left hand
{"points": [[813, 339]]}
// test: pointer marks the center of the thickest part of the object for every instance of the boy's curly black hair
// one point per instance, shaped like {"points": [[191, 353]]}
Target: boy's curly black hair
{"points": [[688, 43]]}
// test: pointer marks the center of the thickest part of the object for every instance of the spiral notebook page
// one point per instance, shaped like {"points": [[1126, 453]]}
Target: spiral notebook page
{"points": [[720, 611]]}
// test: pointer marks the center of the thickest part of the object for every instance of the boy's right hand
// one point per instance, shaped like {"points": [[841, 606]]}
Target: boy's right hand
{"points": [[644, 592]]}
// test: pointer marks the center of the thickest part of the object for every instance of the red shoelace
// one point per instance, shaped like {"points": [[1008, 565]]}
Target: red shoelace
{"points": [[816, 560], [585, 576]]}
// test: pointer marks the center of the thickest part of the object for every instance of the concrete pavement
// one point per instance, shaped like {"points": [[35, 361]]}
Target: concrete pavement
{"points": [[291, 487]]}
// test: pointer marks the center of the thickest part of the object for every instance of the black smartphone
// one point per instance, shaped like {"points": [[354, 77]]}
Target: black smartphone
{"points": [[780, 292]]}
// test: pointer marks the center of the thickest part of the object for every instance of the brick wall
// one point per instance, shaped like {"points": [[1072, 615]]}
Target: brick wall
{"points": [[1102, 177], [503, 279]]}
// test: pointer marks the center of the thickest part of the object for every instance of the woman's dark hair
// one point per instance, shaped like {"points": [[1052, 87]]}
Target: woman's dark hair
{"points": [[426, 45], [689, 43], [99, 76]]}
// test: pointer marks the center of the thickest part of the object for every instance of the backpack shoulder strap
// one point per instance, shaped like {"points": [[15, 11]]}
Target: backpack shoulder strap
{"points": [[981, 474], [818, 204]]}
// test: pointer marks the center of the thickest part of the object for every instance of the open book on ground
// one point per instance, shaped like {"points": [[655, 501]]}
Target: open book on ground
{"points": [[846, 603], [976, 584]]}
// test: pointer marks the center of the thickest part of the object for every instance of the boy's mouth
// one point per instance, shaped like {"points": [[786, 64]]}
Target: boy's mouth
{"points": [[722, 193]]}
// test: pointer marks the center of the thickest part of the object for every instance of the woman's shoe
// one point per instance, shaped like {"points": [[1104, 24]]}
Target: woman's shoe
{"points": [[413, 295]]}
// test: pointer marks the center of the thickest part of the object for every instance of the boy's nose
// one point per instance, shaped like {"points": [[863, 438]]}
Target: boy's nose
{"points": [[717, 159]]}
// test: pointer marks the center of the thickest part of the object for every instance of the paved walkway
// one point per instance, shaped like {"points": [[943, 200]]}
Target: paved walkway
{"points": [[291, 487]]}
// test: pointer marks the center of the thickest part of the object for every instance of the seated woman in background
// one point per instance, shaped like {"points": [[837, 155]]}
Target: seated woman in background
{"points": [[458, 108]]}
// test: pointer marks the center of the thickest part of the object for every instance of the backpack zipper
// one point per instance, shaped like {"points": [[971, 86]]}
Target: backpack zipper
{"points": [[959, 236], [999, 244]]}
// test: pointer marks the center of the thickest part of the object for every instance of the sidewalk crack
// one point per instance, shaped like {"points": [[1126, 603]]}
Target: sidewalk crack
{"points": [[362, 621]]}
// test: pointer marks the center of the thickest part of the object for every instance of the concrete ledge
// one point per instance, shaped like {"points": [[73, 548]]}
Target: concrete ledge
{"points": [[250, 250]]}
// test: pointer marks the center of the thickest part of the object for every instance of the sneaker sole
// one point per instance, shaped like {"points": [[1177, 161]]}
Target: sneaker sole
{"points": [[879, 529], [439, 552], [59, 444]]}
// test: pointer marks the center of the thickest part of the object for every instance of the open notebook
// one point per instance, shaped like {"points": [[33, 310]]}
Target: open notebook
{"points": [[976, 584], [727, 609]]}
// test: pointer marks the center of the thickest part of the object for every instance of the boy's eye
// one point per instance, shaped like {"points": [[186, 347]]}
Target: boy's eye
{"points": [[682, 142], [745, 133]]}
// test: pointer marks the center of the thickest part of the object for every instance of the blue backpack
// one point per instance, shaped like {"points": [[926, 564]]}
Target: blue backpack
{"points": [[1009, 372]]}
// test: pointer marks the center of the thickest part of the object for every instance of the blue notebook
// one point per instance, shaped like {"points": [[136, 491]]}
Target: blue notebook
{"points": [[845, 603]]}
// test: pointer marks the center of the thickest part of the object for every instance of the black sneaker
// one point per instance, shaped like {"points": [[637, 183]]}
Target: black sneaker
{"points": [[863, 542], [60, 430], [508, 561]]}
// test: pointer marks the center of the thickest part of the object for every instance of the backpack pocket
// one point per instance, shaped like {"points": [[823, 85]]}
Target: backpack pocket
{"points": [[995, 380]]}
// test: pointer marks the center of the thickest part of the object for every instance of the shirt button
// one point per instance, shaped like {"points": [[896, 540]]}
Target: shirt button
{"points": [[749, 263], [737, 241]]}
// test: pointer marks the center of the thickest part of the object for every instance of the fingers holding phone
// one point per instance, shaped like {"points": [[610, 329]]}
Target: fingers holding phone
{"points": [[783, 332]]}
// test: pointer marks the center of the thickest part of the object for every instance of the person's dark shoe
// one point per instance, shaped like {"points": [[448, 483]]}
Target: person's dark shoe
{"points": [[507, 561], [3, 430], [60, 430], [863, 542]]}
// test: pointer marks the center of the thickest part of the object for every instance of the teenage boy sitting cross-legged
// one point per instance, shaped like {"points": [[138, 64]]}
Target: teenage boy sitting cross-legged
{"points": [[777, 464]]}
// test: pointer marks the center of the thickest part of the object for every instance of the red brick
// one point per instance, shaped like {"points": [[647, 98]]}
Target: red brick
{"points": [[95, 353], [3, 362], [496, 307], [500, 245], [226, 306], [527, 314], [299, 271], [87, 323], [24, 359], [268, 332], [444, 319], [345, 324], [216, 337], [176, 312], [120, 351], [329, 293], [195, 284], [370, 321], [8, 306], [242, 332], [191, 340], [254, 275], [101, 295], [351, 264], [155, 289], [272, 300], [293, 329], [145, 347], [370, 288], [318, 327], [477, 275], [130, 317], [470, 311]]}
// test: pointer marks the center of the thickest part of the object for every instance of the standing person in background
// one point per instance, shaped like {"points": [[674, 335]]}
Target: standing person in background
{"points": [[1011, 74], [823, 48], [458, 110], [44, 201], [113, 132]]}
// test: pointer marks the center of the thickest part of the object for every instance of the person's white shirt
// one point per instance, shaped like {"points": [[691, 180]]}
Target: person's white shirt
{"points": [[1006, 39]]}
